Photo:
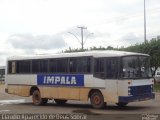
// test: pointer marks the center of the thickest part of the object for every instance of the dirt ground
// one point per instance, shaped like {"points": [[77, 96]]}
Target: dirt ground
{"points": [[133, 111], [5, 96], [2, 93]]}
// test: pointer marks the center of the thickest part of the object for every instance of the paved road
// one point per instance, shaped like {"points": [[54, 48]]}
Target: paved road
{"points": [[20, 105]]}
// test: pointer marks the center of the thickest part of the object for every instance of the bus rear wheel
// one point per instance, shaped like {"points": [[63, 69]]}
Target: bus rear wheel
{"points": [[97, 100], [60, 102], [37, 100]]}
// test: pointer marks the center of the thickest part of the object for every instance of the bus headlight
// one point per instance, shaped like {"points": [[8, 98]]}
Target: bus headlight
{"points": [[129, 91], [151, 88]]}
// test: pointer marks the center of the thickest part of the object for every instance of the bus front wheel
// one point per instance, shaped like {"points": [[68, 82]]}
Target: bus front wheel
{"points": [[97, 100], [37, 100]]}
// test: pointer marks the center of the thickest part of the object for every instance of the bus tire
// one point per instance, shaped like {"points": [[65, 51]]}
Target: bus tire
{"points": [[44, 101], [60, 102], [120, 104], [36, 98], [97, 100]]}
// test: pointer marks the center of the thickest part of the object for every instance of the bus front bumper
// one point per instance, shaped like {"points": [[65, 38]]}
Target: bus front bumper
{"points": [[127, 99]]}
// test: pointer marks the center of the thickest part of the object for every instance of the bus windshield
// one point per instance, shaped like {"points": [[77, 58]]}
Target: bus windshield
{"points": [[135, 67]]}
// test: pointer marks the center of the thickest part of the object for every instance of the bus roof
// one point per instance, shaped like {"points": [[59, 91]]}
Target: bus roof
{"points": [[106, 53]]}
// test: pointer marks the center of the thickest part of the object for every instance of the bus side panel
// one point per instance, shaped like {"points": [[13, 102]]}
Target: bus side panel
{"points": [[99, 83], [84, 93], [20, 84], [110, 93], [21, 79], [60, 92], [142, 82], [123, 87], [19, 90], [90, 81], [48, 92], [69, 93]]}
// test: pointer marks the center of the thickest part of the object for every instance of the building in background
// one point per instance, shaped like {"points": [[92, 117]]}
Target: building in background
{"points": [[2, 73]]}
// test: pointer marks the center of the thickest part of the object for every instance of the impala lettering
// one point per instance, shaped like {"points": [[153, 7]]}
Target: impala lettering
{"points": [[61, 80]]}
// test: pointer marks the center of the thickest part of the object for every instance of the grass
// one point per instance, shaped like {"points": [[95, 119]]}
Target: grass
{"points": [[157, 87]]}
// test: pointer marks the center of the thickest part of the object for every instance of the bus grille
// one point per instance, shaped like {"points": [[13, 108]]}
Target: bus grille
{"points": [[140, 90]]}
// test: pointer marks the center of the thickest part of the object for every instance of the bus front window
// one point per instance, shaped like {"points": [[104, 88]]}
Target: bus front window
{"points": [[135, 67]]}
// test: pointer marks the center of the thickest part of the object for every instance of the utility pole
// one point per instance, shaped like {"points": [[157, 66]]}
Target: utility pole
{"points": [[82, 42], [145, 41]]}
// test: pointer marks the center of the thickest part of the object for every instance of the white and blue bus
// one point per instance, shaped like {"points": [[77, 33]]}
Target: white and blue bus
{"points": [[99, 76]]}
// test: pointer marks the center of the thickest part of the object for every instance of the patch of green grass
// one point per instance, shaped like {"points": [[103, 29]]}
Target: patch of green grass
{"points": [[157, 87]]}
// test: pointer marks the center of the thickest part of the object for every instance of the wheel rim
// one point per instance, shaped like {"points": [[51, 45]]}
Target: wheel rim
{"points": [[96, 100], [36, 98]]}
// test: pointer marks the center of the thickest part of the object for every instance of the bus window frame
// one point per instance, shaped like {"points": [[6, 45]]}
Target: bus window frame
{"points": [[90, 67], [9, 65], [20, 72], [48, 66], [105, 69], [96, 74], [121, 66]]}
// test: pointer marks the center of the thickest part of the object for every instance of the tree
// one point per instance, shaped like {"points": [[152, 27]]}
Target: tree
{"points": [[152, 48]]}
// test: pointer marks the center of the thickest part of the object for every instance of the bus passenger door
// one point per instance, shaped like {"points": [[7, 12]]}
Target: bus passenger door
{"points": [[111, 74]]}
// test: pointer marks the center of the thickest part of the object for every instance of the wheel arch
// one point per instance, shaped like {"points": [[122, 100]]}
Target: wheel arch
{"points": [[92, 91], [32, 89]]}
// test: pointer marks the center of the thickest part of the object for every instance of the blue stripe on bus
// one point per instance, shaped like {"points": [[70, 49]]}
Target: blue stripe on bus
{"points": [[140, 90], [60, 79], [127, 99]]}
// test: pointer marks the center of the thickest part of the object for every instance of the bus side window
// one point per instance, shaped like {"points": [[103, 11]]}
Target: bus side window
{"points": [[11, 67], [53, 65], [23, 66], [62, 65], [111, 68], [40, 66], [83, 65], [35, 66], [80, 65], [43, 66], [99, 67], [73, 65]]}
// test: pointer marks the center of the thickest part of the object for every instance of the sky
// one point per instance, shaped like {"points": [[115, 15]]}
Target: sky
{"points": [[50, 26]]}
